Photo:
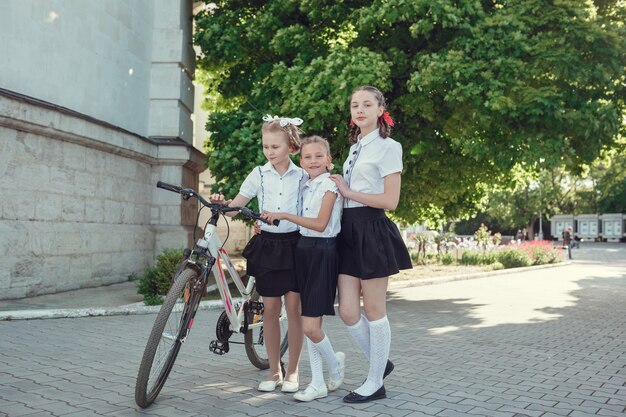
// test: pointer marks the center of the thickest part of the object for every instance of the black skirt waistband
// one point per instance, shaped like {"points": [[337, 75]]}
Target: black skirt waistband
{"points": [[280, 236], [313, 239], [362, 213]]}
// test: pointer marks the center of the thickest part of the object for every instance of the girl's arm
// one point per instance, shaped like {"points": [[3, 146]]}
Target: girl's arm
{"points": [[238, 201], [318, 224], [388, 200]]}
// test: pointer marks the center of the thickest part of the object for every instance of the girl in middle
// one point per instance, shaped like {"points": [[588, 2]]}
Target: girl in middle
{"points": [[317, 263]]}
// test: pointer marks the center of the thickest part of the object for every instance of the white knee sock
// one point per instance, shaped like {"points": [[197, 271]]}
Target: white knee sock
{"points": [[360, 332], [326, 349], [380, 343], [315, 358]]}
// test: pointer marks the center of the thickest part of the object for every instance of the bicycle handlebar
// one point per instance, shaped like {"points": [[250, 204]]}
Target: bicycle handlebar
{"points": [[188, 192]]}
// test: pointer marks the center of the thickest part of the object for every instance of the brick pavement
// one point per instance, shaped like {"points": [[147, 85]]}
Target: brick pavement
{"points": [[550, 342]]}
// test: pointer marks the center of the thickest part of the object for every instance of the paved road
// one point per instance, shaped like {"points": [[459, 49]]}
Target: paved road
{"points": [[551, 342]]}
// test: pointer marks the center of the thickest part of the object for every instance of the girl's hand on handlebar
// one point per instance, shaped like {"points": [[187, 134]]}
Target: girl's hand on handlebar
{"points": [[218, 199], [270, 216]]}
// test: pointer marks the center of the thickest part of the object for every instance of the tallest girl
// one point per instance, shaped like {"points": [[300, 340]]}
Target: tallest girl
{"points": [[370, 245]]}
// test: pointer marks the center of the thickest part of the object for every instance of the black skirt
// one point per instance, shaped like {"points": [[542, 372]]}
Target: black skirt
{"points": [[317, 268], [370, 245], [270, 259]]}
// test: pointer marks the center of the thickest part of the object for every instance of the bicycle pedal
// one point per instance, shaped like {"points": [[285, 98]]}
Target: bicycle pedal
{"points": [[218, 347]]}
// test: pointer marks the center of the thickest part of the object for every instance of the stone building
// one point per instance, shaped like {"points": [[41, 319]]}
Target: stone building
{"points": [[96, 99]]}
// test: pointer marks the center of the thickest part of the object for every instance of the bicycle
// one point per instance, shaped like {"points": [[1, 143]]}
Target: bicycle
{"points": [[176, 316]]}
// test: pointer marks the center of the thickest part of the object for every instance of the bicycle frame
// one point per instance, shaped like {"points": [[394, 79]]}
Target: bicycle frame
{"points": [[211, 244]]}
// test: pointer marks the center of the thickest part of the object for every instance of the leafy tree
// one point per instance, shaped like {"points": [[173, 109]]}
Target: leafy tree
{"points": [[476, 87], [600, 188], [609, 183]]}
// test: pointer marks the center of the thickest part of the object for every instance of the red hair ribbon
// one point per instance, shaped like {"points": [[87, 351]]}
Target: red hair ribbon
{"points": [[351, 123], [387, 118]]}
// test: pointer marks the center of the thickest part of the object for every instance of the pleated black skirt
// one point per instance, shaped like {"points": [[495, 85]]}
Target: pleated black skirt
{"points": [[370, 245], [317, 268], [270, 259]]}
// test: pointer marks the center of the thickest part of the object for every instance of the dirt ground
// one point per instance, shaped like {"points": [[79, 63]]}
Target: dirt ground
{"points": [[431, 270]]}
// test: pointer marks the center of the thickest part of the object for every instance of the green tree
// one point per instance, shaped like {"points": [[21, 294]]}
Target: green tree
{"points": [[608, 176], [600, 188], [476, 87]]}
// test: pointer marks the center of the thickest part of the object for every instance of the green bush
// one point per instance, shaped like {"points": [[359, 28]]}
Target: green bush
{"points": [[447, 259], [543, 255], [470, 258], [512, 258], [494, 266], [478, 258], [156, 280]]}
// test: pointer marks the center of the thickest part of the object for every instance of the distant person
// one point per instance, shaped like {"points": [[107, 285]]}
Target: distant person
{"points": [[519, 236], [567, 241]]}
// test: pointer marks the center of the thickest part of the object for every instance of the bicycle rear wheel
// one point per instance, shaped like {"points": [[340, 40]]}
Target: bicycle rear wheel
{"points": [[169, 332], [255, 342]]}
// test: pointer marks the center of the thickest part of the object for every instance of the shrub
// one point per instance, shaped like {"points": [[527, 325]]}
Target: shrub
{"points": [[447, 259], [478, 258], [470, 258], [542, 253], [494, 266], [513, 258], [156, 280]]}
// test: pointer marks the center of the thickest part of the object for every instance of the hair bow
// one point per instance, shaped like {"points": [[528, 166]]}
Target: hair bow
{"points": [[284, 121], [388, 118]]}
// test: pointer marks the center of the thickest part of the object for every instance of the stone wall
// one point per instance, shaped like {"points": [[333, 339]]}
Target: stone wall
{"points": [[95, 106], [80, 211]]}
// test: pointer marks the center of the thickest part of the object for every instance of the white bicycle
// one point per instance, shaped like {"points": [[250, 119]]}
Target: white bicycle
{"points": [[176, 317]]}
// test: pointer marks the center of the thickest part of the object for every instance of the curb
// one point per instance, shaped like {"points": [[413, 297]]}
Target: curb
{"points": [[127, 310], [140, 308]]}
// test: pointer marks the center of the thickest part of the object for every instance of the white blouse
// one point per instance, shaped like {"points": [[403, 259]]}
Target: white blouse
{"points": [[370, 160], [313, 192], [276, 192]]}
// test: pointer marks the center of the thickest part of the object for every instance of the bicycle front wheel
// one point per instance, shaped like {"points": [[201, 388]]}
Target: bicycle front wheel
{"points": [[254, 340], [169, 332]]}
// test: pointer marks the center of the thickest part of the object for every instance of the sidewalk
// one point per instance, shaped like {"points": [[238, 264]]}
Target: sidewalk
{"points": [[539, 342]]}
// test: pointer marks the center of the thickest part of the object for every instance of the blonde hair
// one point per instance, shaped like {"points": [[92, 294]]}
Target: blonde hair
{"points": [[318, 139], [383, 126], [292, 131]]}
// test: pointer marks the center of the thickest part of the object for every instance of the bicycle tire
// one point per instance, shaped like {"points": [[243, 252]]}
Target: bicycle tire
{"points": [[169, 332], [254, 342]]}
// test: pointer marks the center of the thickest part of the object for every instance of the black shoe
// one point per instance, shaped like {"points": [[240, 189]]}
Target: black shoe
{"points": [[388, 368], [353, 397]]}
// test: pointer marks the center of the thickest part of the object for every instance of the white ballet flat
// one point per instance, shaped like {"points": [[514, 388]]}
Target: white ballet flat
{"points": [[335, 384], [269, 386], [311, 393], [289, 386]]}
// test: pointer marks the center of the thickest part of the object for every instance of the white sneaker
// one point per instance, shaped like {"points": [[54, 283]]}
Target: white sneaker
{"points": [[335, 384], [311, 393]]}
